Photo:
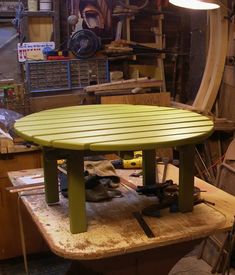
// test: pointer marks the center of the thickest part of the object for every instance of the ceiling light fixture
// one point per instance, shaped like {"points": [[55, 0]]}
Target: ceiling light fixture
{"points": [[196, 4]]}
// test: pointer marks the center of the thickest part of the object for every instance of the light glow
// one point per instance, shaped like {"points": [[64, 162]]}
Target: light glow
{"points": [[195, 4]]}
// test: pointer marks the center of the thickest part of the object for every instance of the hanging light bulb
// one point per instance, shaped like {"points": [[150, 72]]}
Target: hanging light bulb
{"points": [[196, 4]]}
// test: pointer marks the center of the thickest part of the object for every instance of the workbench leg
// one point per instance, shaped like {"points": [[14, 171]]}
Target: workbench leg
{"points": [[76, 192], [186, 178], [149, 167], [50, 177]]}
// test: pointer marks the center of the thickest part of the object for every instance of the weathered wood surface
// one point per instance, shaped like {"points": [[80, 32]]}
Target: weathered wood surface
{"points": [[112, 229]]}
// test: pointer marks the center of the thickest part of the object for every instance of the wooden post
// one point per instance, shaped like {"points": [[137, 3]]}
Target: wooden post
{"points": [[50, 176], [149, 167], [76, 192], [186, 177]]}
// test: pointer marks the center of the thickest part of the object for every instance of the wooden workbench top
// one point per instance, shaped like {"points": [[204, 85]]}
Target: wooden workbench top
{"points": [[112, 229]]}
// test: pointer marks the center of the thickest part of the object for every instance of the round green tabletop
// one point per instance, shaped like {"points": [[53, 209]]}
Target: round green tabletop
{"points": [[114, 127]]}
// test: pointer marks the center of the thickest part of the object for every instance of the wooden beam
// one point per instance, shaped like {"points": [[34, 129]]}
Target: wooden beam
{"points": [[215, 60]]}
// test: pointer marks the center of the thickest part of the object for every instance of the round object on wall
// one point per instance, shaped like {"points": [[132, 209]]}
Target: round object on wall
{"points": [[84, 44], [72, 19]]}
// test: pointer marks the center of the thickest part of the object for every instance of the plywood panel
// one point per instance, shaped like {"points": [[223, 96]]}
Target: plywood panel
{"points": [[47, 102], [158, 99], [40, 29]]}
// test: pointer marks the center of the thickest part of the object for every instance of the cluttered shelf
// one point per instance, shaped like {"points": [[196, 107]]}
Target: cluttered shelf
{"points": [[39, 13]]}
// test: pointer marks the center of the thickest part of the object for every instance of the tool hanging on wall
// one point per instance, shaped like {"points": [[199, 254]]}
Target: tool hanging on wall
{"points": [[84, 44]]}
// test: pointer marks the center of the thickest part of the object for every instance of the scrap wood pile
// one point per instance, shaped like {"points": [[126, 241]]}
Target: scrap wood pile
{"points": [[129, 47], [134, 85], [120, 46]]}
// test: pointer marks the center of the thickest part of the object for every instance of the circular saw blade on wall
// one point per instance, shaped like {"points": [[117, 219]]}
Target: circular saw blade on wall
{"points": [[84, 44]]}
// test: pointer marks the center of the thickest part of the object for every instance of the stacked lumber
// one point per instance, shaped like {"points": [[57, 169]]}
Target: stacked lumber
{"points": [[119, 46], [129, 84]]}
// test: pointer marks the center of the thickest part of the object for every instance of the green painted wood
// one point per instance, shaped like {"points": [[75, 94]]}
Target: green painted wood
{"points": [[113, 128], [186, 178], [142, 136], [50, 177], [150, 122], [76, 192], [82, 127], [148, 143], [149, 167], [76, 118], [92, 123], [46, 140]]}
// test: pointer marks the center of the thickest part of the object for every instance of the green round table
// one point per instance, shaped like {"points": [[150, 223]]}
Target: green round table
{"points": [[73, 132]]}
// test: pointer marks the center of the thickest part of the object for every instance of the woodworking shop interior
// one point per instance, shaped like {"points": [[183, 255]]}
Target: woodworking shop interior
{"points": [[117, 137]]}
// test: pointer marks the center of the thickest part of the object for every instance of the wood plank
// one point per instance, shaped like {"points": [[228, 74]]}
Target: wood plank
{"points": [[125, 85], [99, 87], [28, 123], [40, 103], [119, 133], [124, 133], [215, 60], [114, 231], [159, 99], [148, 121]]}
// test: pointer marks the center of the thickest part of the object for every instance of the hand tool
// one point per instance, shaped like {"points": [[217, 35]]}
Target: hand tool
{"points": [[147, 230]]}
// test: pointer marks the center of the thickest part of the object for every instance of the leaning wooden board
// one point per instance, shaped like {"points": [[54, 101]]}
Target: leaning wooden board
{"points": [[112, 228]]}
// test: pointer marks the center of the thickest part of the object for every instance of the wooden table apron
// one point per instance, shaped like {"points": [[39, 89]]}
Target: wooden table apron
{"points": [[72, 132]]}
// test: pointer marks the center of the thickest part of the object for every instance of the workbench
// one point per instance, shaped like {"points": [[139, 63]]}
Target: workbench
{"points": [[73, 132], [115, 241]]}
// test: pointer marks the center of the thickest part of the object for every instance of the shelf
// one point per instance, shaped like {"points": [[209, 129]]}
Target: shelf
{"points": [[39, 13], [7, 14], [42, 25]]}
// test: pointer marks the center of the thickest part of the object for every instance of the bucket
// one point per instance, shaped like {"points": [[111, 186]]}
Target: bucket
{"points": [[45, 5], [32, 5]]}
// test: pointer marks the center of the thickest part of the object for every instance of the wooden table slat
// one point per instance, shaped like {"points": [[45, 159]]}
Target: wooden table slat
{"points": [[111, 134], [68, 128], [143, 141], [23, 123]]}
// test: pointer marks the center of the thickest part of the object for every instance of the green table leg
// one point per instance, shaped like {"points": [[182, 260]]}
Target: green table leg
{"points": [[76, 192], [186, 178], [50, 177], [149, 167]]}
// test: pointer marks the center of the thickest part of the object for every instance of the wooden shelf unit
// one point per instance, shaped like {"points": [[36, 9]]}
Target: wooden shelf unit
{"points": [[42, 25]]}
